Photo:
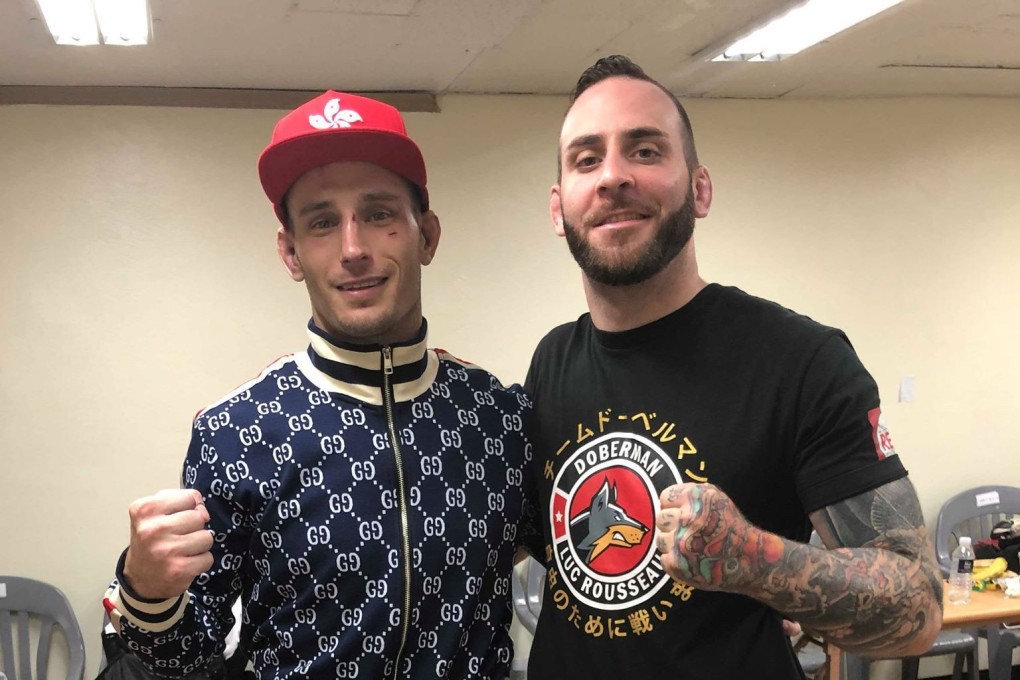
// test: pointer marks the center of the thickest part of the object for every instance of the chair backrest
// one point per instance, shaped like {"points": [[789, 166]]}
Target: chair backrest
{"points": [[972, 513], [527, 588], [34, 604]]}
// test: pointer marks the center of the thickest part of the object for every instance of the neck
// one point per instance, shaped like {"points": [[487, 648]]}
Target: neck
{"points": [[370, 343], [621, 308]]}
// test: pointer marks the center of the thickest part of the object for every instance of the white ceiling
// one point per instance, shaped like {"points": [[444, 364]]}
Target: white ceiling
{"points": [[922, 47]]}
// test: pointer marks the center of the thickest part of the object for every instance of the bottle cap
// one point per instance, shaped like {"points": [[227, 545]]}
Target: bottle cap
{"points": [[965, 540]]}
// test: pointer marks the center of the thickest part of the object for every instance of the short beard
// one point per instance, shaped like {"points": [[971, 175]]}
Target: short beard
{"points": [[674, 231]]}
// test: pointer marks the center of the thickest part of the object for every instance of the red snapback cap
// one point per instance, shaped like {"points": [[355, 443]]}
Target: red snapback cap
{"points": [[337, 127]]}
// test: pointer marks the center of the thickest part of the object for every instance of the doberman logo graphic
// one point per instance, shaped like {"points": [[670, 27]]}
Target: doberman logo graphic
{"points": [[601, 510], [608, 524]]}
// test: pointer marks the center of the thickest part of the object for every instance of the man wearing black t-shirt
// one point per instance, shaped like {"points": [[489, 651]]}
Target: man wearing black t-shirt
{"points": [[689, 436]]}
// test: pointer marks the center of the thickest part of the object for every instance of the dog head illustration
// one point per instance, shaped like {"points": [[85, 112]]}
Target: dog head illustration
{"points": [[608, 524]]}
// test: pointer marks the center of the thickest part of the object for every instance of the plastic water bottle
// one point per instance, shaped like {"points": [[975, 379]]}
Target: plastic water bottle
{"points": [[960, 583]]}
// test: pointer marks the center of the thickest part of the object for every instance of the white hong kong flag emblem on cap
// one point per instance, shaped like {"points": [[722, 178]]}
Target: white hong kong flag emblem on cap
{"points": [[333, 117]]}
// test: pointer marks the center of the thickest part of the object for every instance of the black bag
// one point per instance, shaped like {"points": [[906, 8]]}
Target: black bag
{"points": [[1003, 542], [122, 664], [1011, 551]]}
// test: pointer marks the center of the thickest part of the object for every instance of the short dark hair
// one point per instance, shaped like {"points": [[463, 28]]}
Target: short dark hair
{"points": [[618, 65], [416, 203]]}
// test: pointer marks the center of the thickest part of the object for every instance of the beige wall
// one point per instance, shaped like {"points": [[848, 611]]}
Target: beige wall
{"points": [[139, 281]]}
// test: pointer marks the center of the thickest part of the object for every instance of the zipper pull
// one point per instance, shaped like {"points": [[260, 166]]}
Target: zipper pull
{"points": [[387, 357]]}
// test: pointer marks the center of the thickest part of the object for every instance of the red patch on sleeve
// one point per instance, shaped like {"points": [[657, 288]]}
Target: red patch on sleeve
{"points": [[880, 434]]}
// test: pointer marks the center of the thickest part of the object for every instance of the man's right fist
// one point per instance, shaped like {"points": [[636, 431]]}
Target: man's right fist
{"points": [[170, 545]]}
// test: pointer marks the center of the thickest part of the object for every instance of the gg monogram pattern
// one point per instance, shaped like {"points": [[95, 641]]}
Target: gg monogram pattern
{"points": [[302, 484]]}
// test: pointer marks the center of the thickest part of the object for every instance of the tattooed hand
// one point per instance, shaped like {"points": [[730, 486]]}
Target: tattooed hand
{"points": [[706, 542]]}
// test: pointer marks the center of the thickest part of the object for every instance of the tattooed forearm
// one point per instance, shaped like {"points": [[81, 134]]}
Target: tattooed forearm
{"points": [[880, 598]]}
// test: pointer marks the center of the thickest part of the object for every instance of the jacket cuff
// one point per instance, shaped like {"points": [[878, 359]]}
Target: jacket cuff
{"points": [[154, 616]]}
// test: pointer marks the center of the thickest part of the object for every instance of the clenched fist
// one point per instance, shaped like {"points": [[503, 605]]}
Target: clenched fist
{"points": [[170, 545], [706, 542]]}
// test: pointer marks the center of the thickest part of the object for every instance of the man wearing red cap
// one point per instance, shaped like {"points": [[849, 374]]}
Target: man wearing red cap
{"points": [[364, 498]]}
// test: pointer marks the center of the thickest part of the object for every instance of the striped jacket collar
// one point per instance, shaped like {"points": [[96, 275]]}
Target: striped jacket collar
{"points": [[357, 370]]}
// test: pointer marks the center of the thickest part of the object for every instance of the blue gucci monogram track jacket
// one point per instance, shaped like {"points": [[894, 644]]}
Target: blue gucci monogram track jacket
{"points": [[366, 503]]}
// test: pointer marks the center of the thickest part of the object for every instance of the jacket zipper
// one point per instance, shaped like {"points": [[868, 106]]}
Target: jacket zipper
{"points": [[388, 399]]}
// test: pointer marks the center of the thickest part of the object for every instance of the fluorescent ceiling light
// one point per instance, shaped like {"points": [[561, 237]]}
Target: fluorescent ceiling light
{"points": [[802, 27], [73, 22], [123, 22]]}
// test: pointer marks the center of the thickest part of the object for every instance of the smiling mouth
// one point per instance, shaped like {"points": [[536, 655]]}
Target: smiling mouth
{"points": [[615, 218], [361, 285]]}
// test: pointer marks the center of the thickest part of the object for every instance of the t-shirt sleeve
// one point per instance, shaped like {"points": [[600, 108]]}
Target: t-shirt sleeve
{"points": [[842, 447]]}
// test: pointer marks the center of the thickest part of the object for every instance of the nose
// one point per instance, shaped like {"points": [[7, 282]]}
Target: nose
{"points": [[353, 246], [614, 173]]}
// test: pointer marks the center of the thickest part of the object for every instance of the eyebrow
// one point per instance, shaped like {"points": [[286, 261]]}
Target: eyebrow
{"points": [[644, 132], [585, 141], [313, 207], [380, 196]]}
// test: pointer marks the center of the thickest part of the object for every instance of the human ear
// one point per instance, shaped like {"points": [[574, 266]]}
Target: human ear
{"points": [[701, 186], [556, 209], [430, 232], [288, 253]]}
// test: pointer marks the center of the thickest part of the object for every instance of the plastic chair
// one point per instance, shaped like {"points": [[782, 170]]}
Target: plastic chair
{"points": [[973, 513], [810, 655], [527, 591], [32, 603], [962, 643]]}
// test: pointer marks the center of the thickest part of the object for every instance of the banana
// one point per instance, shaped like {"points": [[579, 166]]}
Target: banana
{"points": [[990, 571]]}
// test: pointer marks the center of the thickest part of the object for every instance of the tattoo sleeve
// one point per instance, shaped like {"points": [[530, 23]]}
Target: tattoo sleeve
{"points": [[876, 590]]}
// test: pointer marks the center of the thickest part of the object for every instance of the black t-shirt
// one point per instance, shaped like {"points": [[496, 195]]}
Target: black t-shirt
{"points": [[770, 406]]}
